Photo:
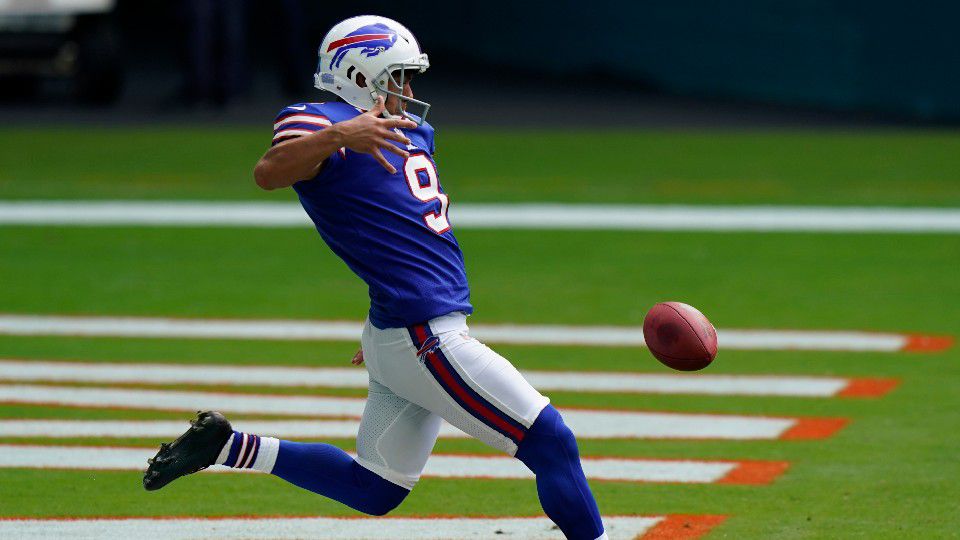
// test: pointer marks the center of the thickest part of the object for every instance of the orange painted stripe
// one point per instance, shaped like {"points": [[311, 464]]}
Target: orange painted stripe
{"points": [[683, 527], [918, 343], [868, 387], [755, 472], [813, 428]]}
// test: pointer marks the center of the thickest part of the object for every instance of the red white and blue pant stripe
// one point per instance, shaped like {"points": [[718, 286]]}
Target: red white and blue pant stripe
{"points": [[439, 366]]}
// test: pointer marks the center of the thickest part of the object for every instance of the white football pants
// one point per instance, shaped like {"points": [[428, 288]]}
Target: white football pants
{"points": [[433, 371]]}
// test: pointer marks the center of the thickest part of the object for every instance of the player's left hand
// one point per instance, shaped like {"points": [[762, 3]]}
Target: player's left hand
{"points": [[368, 133], [357, 358]]}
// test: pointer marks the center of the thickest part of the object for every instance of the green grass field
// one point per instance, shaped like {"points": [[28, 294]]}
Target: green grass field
{"points": [[889, 474]]}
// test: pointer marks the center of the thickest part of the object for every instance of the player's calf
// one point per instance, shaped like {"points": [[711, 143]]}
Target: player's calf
{"points": [[329, 471], [320, 468], [549, 449]]}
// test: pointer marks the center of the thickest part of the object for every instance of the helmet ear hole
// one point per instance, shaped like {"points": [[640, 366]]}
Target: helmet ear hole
{"points": [[361, 80]]}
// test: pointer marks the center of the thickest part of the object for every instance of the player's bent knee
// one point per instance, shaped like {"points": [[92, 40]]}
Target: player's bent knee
{"points": [[380, 496], [567, 440], [383, 505], [548, 442]]}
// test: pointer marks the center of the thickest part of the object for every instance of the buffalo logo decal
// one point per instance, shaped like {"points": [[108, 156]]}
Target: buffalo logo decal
{"points": [[372, 39], [429, 346]]}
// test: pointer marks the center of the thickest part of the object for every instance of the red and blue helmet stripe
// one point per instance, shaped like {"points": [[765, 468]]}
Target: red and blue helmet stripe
{"points": [[373, 39]]}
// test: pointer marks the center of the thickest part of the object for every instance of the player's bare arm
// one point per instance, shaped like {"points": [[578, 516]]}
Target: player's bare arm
{"points": [[301, 158]]}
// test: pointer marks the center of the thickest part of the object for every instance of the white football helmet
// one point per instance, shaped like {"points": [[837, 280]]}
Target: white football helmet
{"points": [[381, 50]]}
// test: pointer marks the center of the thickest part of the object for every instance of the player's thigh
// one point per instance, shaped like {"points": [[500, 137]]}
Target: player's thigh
{"points": [[476, 389], [396, 436]]}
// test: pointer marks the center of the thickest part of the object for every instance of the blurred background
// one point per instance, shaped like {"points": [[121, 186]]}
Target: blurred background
{"points": [[791, 167], [689, 62]]}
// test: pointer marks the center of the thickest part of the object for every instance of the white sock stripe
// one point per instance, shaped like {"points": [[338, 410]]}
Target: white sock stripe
{"points": [[251, 441], [240, 454], [254, 444], [244, 449], [254, 452]]}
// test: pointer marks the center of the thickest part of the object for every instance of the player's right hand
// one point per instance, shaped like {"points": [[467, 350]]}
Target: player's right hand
{"points": [[369, 133]]}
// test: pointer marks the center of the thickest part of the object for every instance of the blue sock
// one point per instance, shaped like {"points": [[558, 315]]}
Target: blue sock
{"points": [[331, 472], [549, 449]]}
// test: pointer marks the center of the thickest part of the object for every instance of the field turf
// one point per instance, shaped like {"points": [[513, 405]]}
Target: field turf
{"points": [[891, 473]]}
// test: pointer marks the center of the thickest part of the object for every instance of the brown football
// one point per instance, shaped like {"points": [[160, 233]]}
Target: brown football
{"points": [[679, 336]]}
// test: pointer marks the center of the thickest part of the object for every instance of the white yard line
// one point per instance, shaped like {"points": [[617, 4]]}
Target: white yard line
{"points": [[612, 336], [534, 528], [171, 400], [587, 423], [571, 381], [500, 216], [285, 429], [438, 466]]}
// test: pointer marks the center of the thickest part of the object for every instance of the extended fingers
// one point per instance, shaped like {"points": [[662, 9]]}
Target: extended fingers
{"points": [[398, 151], [393, 135], [400, 123], [375, 152]]}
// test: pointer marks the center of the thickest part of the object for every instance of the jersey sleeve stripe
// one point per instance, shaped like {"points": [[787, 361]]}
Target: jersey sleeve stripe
{"points": [[292, 133], [299, 126], [303, 118], [284, 138]]}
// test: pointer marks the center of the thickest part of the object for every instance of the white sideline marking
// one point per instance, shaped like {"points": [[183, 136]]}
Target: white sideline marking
{"points": [[438, 466], [572, 381], [500, 216], [617, 527], [278, 329], [586, 423], [285, 429]]}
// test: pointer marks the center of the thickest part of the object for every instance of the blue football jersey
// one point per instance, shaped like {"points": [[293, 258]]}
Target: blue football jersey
{"points": [[392, 230]]}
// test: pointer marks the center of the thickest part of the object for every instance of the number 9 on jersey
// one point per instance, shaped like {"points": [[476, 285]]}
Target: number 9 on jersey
{"points": [[417, 168]]}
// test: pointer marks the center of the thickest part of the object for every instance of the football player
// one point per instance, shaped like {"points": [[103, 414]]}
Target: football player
{"points": [[363, 169]]}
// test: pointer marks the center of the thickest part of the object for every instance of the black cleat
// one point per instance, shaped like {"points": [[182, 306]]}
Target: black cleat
{"points": [[193, 451]]}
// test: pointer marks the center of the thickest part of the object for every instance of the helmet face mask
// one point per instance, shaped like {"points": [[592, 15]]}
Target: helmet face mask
{"points": [[380, 50], [396, 75]]}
